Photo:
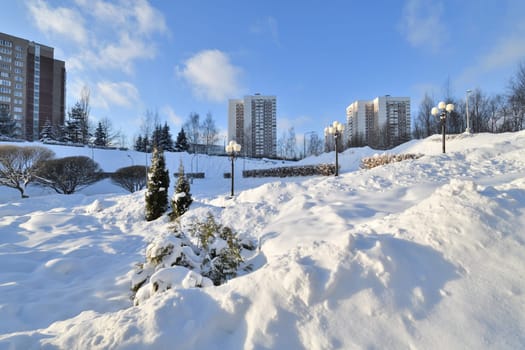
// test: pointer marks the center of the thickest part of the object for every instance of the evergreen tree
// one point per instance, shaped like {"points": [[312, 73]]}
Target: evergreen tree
{"points": [[158, 184], [156, 138], [7, 123], [181, 200], [138, 144], [101, 138], [47, 132], [181, 145], [167, 139]]}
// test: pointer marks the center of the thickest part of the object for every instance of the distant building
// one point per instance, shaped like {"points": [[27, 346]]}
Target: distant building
{"points": [[32, 85], [381, 123], [252, 122]]}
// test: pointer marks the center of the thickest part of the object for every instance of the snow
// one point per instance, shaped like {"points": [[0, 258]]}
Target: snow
{"points": [[420, 254]]}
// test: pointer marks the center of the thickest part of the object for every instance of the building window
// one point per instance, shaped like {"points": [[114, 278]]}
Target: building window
{"points": [[18, 78], [5, 98], [18, 55], [6, 43], [4, 74], [18, 63], [18, 48], [5, 59], [17, 109], [18, 71], [5, 50], [5, 90], [5, 66], [18, 94], [5, 82]]}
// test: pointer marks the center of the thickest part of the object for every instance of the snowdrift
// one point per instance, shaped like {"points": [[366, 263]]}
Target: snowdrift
{"points": [[421, 254]]}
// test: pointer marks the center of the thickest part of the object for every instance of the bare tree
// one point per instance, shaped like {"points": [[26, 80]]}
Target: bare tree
{"points": [[69, 174], [516, 99], [19, 165], [290, 146], [192, 127], [479, 111], [426, 122], [210, 133]]}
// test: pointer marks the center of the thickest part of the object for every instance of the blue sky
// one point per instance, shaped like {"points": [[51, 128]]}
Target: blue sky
{"points": [[317, 57]]}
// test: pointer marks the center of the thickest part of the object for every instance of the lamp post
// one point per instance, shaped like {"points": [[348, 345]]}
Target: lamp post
{"points": [[233, 149], [131, 158], [442, 109], [467, 130], [336, 129]]}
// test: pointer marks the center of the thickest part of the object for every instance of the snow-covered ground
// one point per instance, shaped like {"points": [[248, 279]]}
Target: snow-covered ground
{"points": [[421, 254]]}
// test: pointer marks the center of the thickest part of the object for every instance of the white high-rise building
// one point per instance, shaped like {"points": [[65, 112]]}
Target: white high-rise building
{"points": [[382, 123], [252, 122]]}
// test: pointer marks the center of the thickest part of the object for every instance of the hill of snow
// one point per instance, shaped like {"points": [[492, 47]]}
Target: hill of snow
{"points": [[421, 254]]}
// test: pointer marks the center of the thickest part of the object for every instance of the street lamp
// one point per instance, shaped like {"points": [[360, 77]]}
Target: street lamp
{"points": [[442, 110], [467, 130], [233, 149], [131, 158], [335, 129]]}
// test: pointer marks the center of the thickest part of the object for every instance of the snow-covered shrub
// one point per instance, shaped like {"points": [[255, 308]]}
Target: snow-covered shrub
{"points": [[173, 261], [383, 159], [181, 200], [222, 248], [158, 183]]}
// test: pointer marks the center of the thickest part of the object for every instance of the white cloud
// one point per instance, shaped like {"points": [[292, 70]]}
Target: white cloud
{"points": [[123, 30], [422, 24], [62, 21], [122, 94], [211, 75], [171, 115]]}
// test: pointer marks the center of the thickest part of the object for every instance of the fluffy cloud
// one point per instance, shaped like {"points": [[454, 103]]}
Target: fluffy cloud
{"points": [[211, 75], [422, 24], [123, 30], [62, 21]]}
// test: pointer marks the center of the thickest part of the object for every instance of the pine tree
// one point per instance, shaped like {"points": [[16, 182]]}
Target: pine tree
{"points": [[181, 200], [158, 184], [181, 145], [101, 138], [138, 144], [7, 123], [167, 139], [47, 133]]}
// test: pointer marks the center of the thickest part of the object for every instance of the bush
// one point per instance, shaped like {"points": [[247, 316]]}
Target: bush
{"points": [[378, 160], [305, 170], [19, 165], [222, 250], [131, 178], [69, 174], [173, 261]]}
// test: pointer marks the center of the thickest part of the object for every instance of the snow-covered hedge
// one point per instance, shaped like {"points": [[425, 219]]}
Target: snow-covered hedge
{"points": [[378, 160], [174, 261], [304, 170]]}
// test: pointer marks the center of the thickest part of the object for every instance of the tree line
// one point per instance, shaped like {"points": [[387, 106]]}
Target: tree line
{"points": [[494, 113]]}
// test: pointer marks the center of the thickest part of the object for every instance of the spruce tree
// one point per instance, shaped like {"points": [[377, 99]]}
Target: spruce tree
{"points": [[101, 138], [158, 184], [181, 145], [181, 200], [167, 139]]}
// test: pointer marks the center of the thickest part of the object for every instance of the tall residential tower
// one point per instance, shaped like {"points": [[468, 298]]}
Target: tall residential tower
{"points": [[32, 85], [382, 123], [252, 122]]}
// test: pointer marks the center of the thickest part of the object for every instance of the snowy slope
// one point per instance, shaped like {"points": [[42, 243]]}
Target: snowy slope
{"points": [[422, 254]]}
